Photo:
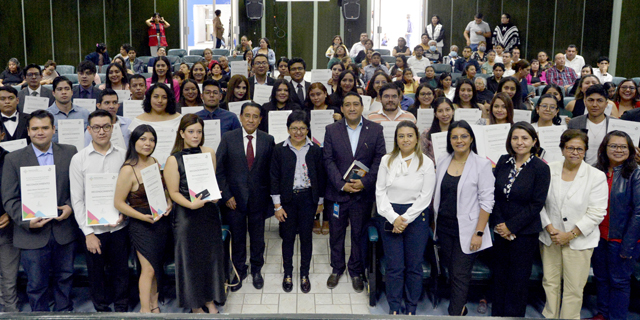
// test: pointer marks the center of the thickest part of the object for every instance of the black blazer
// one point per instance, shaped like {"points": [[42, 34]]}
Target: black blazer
{"points": [[252, 79], [631, 115], [21, 130], [6, 233], [24, 237], [283, 171], [95, 92], [294, 94], [521, 212], [269, 106], [249, 187]]}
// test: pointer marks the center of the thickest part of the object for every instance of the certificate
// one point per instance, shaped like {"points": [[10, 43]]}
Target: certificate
{"points": [[117, 139], [262, 93], [100, 189], [38, 192], [199, 87], [468, 115], [439, 143], [495, 137], [366, 104], [278, 125], [132, 108], [87, 104], [425, 119], [631, 128], [550, 141], [389, 131], [236, 107], [154, 190], [522, 115], [123, 95], [187, 110], [13, 145], [71, 131], [322, 76], [164, 144], [375, 106], [32, 104], [320, 119], [200, 176], [238, 67], [212, 134]]}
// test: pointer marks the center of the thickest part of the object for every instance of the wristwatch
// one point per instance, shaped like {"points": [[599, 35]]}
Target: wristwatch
{"points": [[479, 233]]}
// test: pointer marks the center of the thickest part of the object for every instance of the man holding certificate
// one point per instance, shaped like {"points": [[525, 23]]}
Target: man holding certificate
{"points": [[92, 177], [63, 108], [46, 242], [120, 134], [211, 94]]}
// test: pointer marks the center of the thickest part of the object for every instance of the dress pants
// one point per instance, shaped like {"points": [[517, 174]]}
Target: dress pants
{"points": [[404, 254], [356, 213], [9, 263], [300, 212], [109, 272], [239, 223], [37, 263], [613, 279], [563, 263], [218, 43], [459, 265], [511, 273]]}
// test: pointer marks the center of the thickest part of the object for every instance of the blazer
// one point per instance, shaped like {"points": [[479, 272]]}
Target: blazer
{"points": [[283, 166], [44, 92], [6, 233], [580, 122], [95, 92], [338, 157], [24, 237], [249, 187], [138, 66], [294, 94], [475, 192], [252, 79], [521, 212], [21, 130], [584, 205]]}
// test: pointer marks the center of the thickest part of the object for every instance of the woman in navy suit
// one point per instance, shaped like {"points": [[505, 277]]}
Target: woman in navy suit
{"points": [[462, 205]]}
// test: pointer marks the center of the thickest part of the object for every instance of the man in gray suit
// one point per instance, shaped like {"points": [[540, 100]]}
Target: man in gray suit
{"points": [[596, 122], [33, 75], [47, 244]]}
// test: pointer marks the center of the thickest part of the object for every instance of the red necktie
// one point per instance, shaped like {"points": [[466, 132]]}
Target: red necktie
{"points": [[250, 156]]}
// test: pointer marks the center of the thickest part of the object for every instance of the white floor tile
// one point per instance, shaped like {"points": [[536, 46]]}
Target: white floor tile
{"points": [[341, 298], [306, 303], [232, 309], [260, 308], [270, 298], [273, 284], [320, 258], [343, 287], [359, 298], [235, 298], [324, 298], [360, 309], [319, 283], [274, 259], [322, 268], [252, 298], [334, 309], [288, 303]]}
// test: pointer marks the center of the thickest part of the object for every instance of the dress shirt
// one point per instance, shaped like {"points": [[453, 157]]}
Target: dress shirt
{"points": [[355, 49], [576, 64], [228, 120], [295, 88], [401, 115], [124, 129], [87, 161], [245, 140], [75, 113], [607, 77], [566, 77], [513, 174], [11, 126], [36, 91], [354, 135], [44, 158], [301, 178]]}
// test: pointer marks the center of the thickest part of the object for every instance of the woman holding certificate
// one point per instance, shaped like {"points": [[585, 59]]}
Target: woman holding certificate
{"points": [[197, 228], [148, 230], [281, 100], [500, 110], [462, 204], [443, 116]]}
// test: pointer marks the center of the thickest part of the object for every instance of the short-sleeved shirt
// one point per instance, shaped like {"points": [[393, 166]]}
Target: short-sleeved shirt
{"points": [[10, 79], [472, 27], [75, 113]]}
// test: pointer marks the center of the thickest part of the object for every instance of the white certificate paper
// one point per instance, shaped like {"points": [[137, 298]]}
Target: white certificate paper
{"points": [[439, 142], [236, 107], [123, 95], [389, 131], [522, 115], [262, 93], [212, 134], [468, 115], [187, 110], [14, 145], [366, 105], [278, 125], [38, 192], [491, 140], [154, 190], [166, 139], [322, 76], [117, 139], [631, 128], [100, 189], [425, 119], [132, 108], [239, 67], [550, 142], [201, 176], [32, 104], [87, 104], [320, 119], [71, 131]]}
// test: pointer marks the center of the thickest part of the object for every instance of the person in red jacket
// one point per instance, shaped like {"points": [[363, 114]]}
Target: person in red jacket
{"points": [[157, 37]]}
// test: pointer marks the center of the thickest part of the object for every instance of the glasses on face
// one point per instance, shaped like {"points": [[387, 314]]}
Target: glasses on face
{"points": [[299, 129], [574, 149], [296, 69], [618, 147], [627, 88], [32, 75], [548, 107], [106, 128], [261, 63], [425, 94], [210, 93]]}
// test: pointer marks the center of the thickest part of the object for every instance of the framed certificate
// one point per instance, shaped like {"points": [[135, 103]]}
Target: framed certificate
{"points": [[522, 115], [278, 125], [550, 142], [154, 190], [38, 192], [201, 178], [238, 67], [320, 119], [100, 189], [32, 104], [425, 119], [262, 93]]}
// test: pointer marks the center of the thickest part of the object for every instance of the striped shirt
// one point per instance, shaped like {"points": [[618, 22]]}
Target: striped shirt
{"points": [[380, 116], [562, 78]]}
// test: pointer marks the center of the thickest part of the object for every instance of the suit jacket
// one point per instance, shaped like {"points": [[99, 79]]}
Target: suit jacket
{"points": [[338, 157], [44, 92], [24, 237], [252, 79], [95, 92], [21, 130], [6, 233], [294, 94], [283, 166], [580, 122], [138, 66], [249, 187], [475, 192], [521, 212], [631, 115]]}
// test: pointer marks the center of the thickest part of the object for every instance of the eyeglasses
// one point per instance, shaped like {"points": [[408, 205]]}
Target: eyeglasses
{"points": [[296, 69], [32, 75], [548, 107], [261, 63], [620, 147], [573, 149], [625, 88], [425, 94], [106, 128], [299, 129]]}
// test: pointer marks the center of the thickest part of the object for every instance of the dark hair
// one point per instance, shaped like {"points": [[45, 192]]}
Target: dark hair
{"points": [[617, 97], [423, 86], [132, 157], [124, 63], [443, 76], [574, 133], [50, 63], [186, 121], [244, 56], [298, 115], [521, 64], [203, 65], [391, 86], [335, 63], [180, 75], [354, 94], [508, 104], [498, 65], [572, 46], [106, 92], [479, 15], [435, 125], [259, 55], [168, 76], [182, 101], [87, 65], [418, 47], [535, 117], [474, 97], [628, 166], [558, 89], [579, 94], [120, 67], [285, 60], [265, 40], [40, 114], [339, 91], [211, 82], [370, 90], [603, 58], [218, 12], [530, 130], [251, 104], [231, 87], [297, 60], [316, 85], [9, 89], [508, 16], [517, 97], [276, 86], [404, 64], [171, 100], [57, 80], [99, 113], [464, 125], [436, 17], [14, 60], [101, 47], [130, 48], [597, 89], [587, 66], [32, 66]]}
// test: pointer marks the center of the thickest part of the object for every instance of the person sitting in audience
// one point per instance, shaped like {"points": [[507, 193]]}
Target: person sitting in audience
{"points": [[12, 75], [577, 106], [133, 64], [512, 88], [470, 72], [340, 53], [418, 62], [198, 72], [346, 83], [297, 68], [572, 59], [400, 66], [336, 70], [33, 76], [375, 65], [120, 61], [536, 76], [461, 64], [451, 58], [603, 68], [500, 110], [162, 52], [100, 57], [508, 64], [186, 69], [9, 254], [217, 74], [63, 108], [611, 89], [494, 80], [390, 96], [543, 58], [49, 73], [626, 97], [410, 85], [556, 92], [429, 77], [14, 122], [224, 65], [445, 87], [362, 55], [190, 95], [546, 112], [116, 78], [162, 74], [243, 46], [401, 49], [424, 96], [484, 96], [358, 46], [283, 67], [137, 86], [208, 58], [465, 95], [480, 55], [335, 44], [86, 73], [515, 55], [237, 89], [487, 67], [432, 53], [442, 117], [260, 66], [522, 69], [595, 121], [560, 74], [211, 94], [119, 137], [281, 99], [373, 89], [265, 49], [585, 71], [318, 99], [180, 77]]}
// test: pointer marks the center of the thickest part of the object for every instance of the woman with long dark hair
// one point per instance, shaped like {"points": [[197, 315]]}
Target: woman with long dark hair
{"points": [[162, 74], [465, 95], [346, 83], [512, 88], [116, 78], [238, 89], [546, 112], [424, 97], [444, 85], [442, 117], [336, 70], [280, 100], [190, 95], [500, 110]]}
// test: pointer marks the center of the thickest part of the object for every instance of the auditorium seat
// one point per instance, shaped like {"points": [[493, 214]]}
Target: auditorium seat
{"points": [[196, 52], [177, 52], [65, 69]]}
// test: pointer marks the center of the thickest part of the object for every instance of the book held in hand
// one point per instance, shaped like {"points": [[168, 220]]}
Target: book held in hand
{"points": [[357, 170]]}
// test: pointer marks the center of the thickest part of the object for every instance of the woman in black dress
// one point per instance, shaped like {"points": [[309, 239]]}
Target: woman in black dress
{"points": [[196, 226], [149, 234]]}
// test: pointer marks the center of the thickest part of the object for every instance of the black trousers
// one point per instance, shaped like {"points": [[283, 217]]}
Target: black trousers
{"points": [[357, 214], [459, 265], [239, 223], [300, 212], [109, 271], [511, 272]]}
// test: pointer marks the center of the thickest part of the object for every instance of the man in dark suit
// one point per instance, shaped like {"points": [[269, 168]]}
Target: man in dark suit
{"points": [[9, 255], [14, 122], [33, 75], [260, 66], [86, 75], [352, 138], [596, 122], [244, 159], [297, 68], [46, 243]]}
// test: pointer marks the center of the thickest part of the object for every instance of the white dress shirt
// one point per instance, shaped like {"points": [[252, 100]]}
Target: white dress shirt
{"points": [[576, 64], [11, 126]]}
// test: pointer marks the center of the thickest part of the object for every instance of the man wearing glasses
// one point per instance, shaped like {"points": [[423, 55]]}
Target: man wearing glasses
{"points": [[33, 75], [595, 121], [260, 66]]}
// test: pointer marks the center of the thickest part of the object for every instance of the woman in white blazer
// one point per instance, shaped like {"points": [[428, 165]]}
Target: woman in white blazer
{"points": [[575, 206], [462, 204]]}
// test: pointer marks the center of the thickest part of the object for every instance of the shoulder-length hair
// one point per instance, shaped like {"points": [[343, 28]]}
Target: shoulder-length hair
{"points": [[182, 101], [171, 99], [558, 89], [169, 75], [274, 90], [579, 93], [423, 86], [530, 130], [443, 76], [508, 104], [435, 125], [474, 97], [186, 121], [464, 125], [124, 80], [517, 97], [132, 157], [231, 87], [603, 160], [535, 117], [316, 85], [617, 97], [370, 90], [339, 91], [396, 148]]}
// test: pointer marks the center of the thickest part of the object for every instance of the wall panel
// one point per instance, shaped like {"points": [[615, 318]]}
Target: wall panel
{"points": [[596, 41], [141, 10], [569, 24], [117, 19], [276, 28], [302, 42], [38, 31], [463, 12], [169, 10], [629, 42], [11, 33], [328, 26], [65, 28], [540, 29], [92, 27]]}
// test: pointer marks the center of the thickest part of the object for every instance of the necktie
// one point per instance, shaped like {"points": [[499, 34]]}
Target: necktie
{"points": [[34, 94], [9, 118], [250, 155], [84, 93], [300, 93]]}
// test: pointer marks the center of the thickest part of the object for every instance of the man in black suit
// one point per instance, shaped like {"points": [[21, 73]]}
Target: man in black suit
{"points": [[86, 75], [297, 68], [46, 243], [352, 138], [33, 75], [244, 160], [260, 66], [14, 121]]}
